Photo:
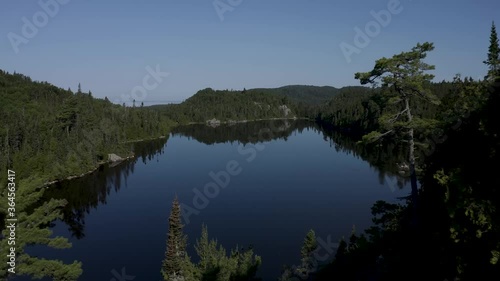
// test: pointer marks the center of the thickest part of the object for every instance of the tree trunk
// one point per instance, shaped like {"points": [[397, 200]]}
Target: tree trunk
{"points": [[413, 175]]}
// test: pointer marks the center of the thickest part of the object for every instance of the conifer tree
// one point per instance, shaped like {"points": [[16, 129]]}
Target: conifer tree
{"points": [[310, 244], [404, 74], [307, 254], [176, 246], [493, 60]]}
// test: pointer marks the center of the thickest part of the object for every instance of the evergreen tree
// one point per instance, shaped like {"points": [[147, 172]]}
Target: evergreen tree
{"points": [[175, 255], [35, 224], [307, 254], [215, 264], [310, 244], [405, 75], [493, 60]]}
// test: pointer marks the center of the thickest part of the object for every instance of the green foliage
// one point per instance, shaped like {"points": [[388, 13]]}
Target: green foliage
{"points": [[228, 105], [54, 133], [214, 261], [495, 256], [215, 264], [308, 262], [31, 229], [493, 60], [309, 245], [175, 256], [47, 134], [39, 268], [310, 95], [403, 77]]}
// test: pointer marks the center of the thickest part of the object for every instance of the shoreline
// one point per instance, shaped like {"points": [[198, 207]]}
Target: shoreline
{"points": [[132, 155], [101, 163], [230, 122]]}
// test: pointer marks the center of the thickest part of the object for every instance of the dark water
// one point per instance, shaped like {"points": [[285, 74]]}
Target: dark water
{"points": [[288, 177]]}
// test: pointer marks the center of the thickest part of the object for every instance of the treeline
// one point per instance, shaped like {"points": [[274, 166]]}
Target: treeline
{"points": [[247, 132], [47, 134], [449, 228], [228, 105], [312, 95], [51, 133], [358, 109], [452, 136]]}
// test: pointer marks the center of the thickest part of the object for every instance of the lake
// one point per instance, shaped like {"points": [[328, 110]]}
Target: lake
{"points": [[269, 182]]}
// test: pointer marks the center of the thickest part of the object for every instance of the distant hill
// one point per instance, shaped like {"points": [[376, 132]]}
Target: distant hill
{"points": [[225, 105], [254, 104], [313, 95]]}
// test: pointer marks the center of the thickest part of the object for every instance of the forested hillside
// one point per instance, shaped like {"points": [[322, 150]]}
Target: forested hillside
{"points": [[227, 105], [444, 134], [50, 133], [312, 95], [448, 227], [47, 134], [358, 109]]}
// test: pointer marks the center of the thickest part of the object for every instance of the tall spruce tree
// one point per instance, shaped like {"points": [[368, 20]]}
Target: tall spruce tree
{"points": [[175, 255], [493, 60], [307, 253]]}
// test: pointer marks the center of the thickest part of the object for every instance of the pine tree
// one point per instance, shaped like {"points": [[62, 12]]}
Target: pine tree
{"points": [[403, 74], [493, 60], [176, 246]]}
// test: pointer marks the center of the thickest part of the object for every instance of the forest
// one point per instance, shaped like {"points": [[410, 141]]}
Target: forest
{"points": [[448, 228]]}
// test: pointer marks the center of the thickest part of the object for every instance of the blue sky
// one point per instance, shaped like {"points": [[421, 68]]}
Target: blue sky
{"points": [[106, 45]]}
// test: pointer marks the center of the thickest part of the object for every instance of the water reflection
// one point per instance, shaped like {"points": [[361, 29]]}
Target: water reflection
{"points": [[87, 193]]}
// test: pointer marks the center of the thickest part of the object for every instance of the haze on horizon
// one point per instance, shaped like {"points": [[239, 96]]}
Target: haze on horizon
{"points": [[232, 44]]}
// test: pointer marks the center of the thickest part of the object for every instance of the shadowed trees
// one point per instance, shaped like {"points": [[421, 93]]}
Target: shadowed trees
{"points": [[214, 262]]}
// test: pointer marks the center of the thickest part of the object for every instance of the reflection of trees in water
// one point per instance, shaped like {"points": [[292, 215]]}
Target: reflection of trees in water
{"points": [[388, 159], [86, 193], [249, 132]]}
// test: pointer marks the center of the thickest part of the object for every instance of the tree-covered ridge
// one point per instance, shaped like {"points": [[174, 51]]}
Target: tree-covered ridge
{"points": [[47, 134], [359, 109], [449, 229], [51, 133], [225, 105], [312, 95]]}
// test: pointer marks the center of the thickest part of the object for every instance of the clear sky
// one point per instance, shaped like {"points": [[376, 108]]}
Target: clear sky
{"points": [[106, 45]]}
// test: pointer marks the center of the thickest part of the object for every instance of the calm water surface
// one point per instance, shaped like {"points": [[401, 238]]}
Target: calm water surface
{"points": [[293, 176]]}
